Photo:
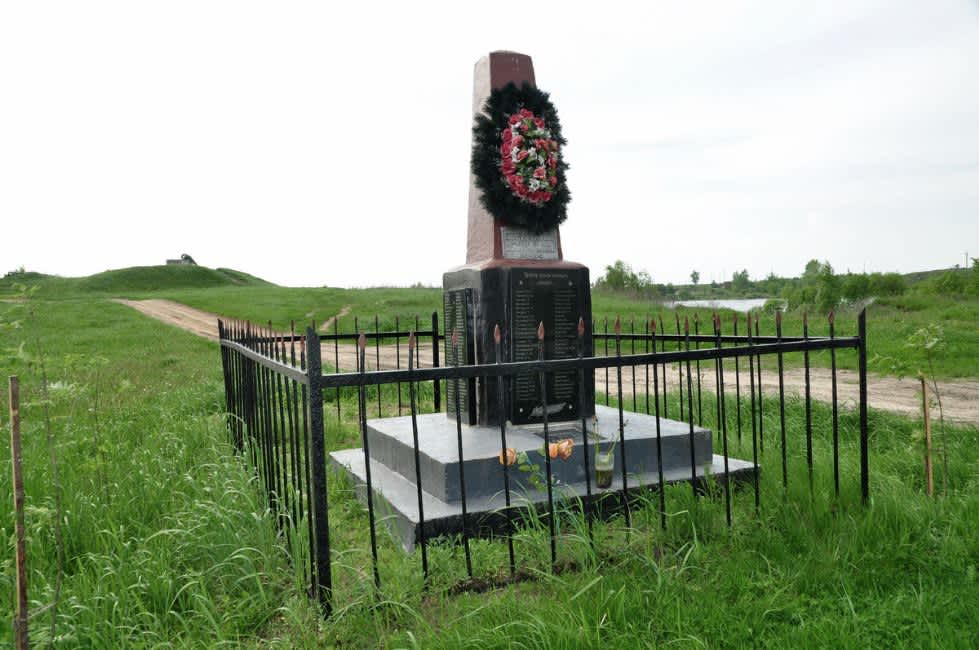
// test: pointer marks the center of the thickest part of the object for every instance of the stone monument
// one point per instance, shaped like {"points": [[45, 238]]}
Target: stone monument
{"points": [[517, 279]]}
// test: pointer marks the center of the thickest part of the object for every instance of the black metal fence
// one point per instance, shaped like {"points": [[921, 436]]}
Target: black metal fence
{"points": [[275, 386]]}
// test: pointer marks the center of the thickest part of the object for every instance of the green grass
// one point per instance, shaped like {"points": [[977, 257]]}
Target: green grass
{"points": [[890, 321], [168, 540]]}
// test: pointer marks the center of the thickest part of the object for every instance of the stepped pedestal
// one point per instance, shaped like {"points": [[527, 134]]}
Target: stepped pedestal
{"points": [[393, 467]]}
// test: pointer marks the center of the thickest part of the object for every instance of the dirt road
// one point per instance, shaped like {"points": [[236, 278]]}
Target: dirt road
{"points": [[960, 398]]}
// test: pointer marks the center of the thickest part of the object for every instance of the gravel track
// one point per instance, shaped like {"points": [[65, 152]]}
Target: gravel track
{"points": [[960, 398]]}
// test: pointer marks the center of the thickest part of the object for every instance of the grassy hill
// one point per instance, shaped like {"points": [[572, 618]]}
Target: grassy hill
{"points": [[136, 279]]}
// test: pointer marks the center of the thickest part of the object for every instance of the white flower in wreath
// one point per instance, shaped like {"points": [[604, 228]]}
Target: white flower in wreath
{"points": [[532, 154], [535, 185]]}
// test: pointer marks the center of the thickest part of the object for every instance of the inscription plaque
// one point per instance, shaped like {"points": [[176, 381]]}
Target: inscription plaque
{"points": [[550, 296], [458, 321], [521, 244]]}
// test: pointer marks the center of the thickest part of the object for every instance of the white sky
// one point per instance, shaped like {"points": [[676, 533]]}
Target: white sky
{"points": [[327, 143]]}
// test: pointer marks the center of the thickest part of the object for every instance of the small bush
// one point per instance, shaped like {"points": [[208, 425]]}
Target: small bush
{"points": [[887, 284]]}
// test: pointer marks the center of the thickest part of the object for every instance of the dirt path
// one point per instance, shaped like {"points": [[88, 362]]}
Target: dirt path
{"points": [[960, 398], [331, 321]]}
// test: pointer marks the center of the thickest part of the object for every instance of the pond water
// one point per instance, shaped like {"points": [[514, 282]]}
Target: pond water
{"points": [[736, 304]]}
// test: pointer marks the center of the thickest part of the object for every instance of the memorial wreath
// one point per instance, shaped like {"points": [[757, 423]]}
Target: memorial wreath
{"points": [[517, 161]]}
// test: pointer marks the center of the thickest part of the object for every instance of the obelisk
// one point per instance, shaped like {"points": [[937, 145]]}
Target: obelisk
{"points": [[516, 279]]}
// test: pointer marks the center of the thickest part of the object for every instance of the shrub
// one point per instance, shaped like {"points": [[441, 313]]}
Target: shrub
{"points": [[887, 284], [856, 286], [951, 284]]}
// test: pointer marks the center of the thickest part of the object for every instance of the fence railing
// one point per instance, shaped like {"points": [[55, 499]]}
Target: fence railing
{"points": [[275, 387]]}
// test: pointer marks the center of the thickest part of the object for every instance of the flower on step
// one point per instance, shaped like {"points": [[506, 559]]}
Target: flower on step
{"points": [[561, 449]]}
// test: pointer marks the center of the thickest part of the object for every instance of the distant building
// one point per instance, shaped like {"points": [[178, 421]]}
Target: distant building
{"points": [[184, 259]]}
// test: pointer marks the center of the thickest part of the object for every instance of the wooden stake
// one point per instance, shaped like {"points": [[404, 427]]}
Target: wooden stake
{"points": [[930, 480], [20, 615]]}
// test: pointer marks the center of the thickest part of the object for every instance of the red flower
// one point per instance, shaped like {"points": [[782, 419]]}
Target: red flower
{"points": [[552, 161], [540, 172], [553, 181], [514, 118], [522, 155], [508, 167], [507, 135], [539, 122], [525, 113], [547, 197], [517, 140]]}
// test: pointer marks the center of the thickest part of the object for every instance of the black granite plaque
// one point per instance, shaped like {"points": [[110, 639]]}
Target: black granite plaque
{"points": [[458, 311], [550, 296]]}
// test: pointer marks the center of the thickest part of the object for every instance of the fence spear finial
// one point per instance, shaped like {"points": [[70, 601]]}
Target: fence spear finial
{"points": [[540, 331], [362, 342], [778, 317], [686, 324], [497, 336], [581, 327], [618, 325], [832, 316], [411, 340], [652, 323]]}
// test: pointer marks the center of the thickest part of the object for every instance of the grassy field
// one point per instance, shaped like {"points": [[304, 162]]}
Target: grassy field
{"points": [[890, 321], [167, 540]]}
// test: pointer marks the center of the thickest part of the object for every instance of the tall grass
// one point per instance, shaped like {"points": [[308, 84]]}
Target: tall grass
{"points": [[179, 548]]}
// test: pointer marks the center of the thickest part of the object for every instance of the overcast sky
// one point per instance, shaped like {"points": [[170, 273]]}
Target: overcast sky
{"points": [[327, 143]]}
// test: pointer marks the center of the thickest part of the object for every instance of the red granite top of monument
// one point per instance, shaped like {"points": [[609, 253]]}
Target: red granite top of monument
{"points": [[484, 245]]}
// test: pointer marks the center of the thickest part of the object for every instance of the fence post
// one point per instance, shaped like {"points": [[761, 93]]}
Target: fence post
{"points": [[436, 385], [864, 453], [314, 370], [20, 615]]}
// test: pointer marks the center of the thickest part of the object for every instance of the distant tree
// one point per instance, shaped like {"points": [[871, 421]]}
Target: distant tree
{"points": [[620, 276], [616, 276], [813, 268], [695, 277], [887, 284], [740, 281], [856, 286], [828, 293]]}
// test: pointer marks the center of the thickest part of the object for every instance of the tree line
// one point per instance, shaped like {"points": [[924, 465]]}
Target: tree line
{"points": [[819, 285]]}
